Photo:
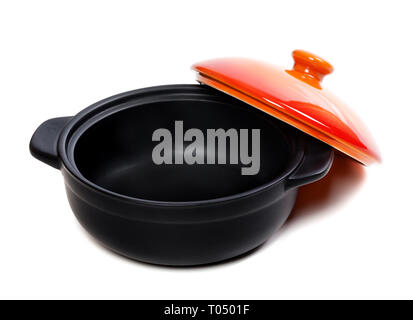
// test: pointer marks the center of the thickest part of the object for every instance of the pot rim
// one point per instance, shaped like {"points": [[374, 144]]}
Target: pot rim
{"points": [[101, 107]]}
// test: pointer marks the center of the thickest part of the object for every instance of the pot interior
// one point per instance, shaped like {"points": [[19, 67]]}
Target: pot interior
{"points": [[117, 152]]}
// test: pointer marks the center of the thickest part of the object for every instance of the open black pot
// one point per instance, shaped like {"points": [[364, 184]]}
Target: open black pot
{"points": [[176, 214]]}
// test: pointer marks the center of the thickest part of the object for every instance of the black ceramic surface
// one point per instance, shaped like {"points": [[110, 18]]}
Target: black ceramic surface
{"points": [[176, 214]]}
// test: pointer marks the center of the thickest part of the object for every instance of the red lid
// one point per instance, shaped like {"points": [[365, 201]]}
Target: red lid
{"points": [[294, 96]]}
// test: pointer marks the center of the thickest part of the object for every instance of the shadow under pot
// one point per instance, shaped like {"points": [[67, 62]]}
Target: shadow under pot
{"points": [[179, 175]]}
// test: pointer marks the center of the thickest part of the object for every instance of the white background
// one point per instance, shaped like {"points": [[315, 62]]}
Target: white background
{"points": [[351, 235]]}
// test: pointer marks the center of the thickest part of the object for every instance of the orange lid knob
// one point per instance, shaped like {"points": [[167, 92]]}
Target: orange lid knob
{"points": [[310, 68]]}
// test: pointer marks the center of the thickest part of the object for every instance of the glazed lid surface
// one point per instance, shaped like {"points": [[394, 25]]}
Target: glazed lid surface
{"points": [[293, 96]]}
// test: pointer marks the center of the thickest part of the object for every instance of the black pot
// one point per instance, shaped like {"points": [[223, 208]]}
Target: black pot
{"points": [[176, 214]]}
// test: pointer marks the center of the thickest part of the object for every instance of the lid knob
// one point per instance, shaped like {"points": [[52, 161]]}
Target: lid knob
{"points": [[310, 68]]}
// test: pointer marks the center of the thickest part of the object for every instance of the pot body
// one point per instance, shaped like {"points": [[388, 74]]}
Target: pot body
{"points": [[184, 240], [178, 233]]}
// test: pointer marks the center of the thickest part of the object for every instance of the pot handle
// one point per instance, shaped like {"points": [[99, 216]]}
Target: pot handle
{"points": [[317, 161], [43, 145]]}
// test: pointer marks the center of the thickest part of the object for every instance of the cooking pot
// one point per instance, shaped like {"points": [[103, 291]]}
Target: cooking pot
{"points": [[179, 213]]}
